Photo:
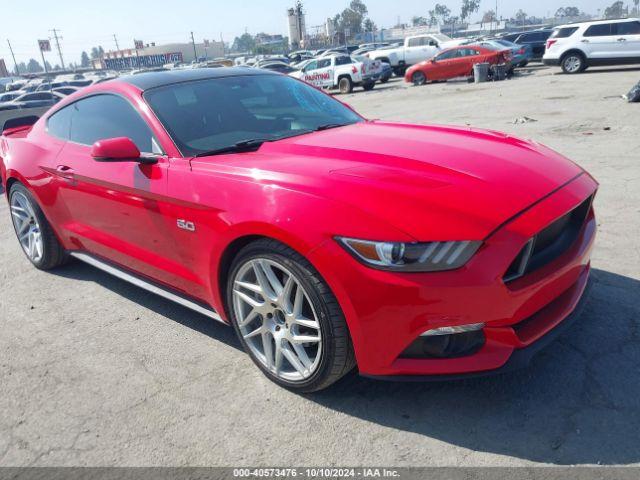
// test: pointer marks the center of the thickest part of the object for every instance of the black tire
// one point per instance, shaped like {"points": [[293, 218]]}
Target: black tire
{"points": [[345, 85], [368, 86], [53, 254], [573, 62], [418, 78], [385, 79], [337, 357], [400, 70]]}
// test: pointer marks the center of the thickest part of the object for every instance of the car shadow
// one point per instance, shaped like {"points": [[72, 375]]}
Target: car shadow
{"points": [[200, 323], [577, 403]]}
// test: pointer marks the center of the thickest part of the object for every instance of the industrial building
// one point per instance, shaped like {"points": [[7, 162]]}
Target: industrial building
{"points": [[152, 55], [296, 26]]}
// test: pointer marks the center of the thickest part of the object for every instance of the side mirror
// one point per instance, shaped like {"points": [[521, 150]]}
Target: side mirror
{"points": [[120, 149], [433, 60]]}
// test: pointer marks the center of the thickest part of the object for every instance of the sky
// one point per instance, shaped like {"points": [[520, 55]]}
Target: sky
{"points": [[88, 23]]}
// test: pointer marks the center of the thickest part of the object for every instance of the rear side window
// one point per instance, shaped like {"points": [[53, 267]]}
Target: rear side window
{"points": [[564, 32], [59, 124], [109, 116], [343, 60], [599, 30], [627, 28], [534, 37]]}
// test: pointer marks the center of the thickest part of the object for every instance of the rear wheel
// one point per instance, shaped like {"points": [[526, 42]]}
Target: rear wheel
{"points": [[573, 62], [287, 319], [418, 78], [36, 237], [368, 86], [345, 85]]}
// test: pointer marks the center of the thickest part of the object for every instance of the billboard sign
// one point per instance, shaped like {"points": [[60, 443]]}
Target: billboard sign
{"points": [[142, 61]]}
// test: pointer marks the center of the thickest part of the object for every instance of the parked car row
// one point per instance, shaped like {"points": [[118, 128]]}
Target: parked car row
{"points": [[38, 92]]}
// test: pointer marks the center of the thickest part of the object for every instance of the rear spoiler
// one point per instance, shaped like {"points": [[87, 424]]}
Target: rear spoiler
{"points": [[19, 124]]}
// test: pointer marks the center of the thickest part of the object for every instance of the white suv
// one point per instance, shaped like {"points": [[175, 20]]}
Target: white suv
{"points": [[577, 46]]}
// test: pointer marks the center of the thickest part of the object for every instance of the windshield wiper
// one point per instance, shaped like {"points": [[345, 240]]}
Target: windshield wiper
{"points": [[242, 146], [329, 126]]}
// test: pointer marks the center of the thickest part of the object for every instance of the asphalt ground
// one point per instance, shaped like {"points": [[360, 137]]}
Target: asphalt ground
{"points": [[95, 372]]}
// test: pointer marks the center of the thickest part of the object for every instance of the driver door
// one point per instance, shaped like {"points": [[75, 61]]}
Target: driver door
{"points": [[116, 211]]}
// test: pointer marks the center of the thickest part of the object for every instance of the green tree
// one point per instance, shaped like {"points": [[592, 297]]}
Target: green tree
{"points": [[244, 43], [419, 21], [369, 25], [85, 62], [615, 10], [442, 13], [489, 16], [351, 18], [33, 66], [468, 7]]}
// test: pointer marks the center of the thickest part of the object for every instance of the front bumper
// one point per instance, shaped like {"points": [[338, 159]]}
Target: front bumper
{"points": [[387, 311]]}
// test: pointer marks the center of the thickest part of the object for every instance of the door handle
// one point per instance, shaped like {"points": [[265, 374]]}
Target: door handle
{"points": [[65, 172], [622, 39], [585, 41]]}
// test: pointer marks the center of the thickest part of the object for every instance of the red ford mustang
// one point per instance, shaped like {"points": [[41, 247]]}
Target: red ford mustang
{"points": [[454, 63], [326, 240]]}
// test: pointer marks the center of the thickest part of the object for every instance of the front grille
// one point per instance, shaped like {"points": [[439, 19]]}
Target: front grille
{"points": [[549, 243]]}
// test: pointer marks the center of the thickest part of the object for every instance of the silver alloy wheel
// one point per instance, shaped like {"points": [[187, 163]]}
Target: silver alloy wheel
{"points": [[26, 226], [277, 320], [419, 78], [572, 64]]}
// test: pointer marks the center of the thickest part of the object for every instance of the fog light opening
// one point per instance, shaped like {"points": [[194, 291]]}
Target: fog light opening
{"points": [[447, 342]]}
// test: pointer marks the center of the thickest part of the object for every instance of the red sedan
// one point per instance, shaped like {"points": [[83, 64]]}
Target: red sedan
{"points": [[454, 63], [327, 241]]}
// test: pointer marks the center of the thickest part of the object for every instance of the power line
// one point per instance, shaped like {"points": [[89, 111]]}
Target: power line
{"points": [[57, 39]]}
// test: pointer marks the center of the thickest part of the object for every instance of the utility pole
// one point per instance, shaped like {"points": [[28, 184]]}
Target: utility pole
{"points": [[115, 39], [57, 39], [14, 57], [193, 42]]}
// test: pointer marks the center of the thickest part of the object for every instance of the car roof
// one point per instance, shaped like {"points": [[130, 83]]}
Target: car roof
{"points": [[597, 22], [146, 81]]}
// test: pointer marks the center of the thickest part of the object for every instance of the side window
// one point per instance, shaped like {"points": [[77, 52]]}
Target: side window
{"points": [[343, 60], [627, 28], [311, 66], [59, 124], [416, 42], [447, 55], [324, 63], [109, 116], [599, 30]]}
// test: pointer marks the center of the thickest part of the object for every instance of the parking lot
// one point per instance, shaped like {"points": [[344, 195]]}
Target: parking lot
{"points": [[96, 372]]}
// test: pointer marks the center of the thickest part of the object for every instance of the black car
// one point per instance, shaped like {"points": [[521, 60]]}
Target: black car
{"points": [[536, 38], [279, 67]]}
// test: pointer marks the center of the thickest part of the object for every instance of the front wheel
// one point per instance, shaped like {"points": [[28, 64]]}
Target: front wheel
{"points": [[36, 237], [287, 318], [368, 86], [418, 78]]}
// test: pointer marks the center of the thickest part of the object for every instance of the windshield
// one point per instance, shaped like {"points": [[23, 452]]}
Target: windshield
{"points": [[208, 115]]}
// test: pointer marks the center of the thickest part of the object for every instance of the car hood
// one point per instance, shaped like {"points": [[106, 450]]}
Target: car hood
{"points": [[431, 182]]}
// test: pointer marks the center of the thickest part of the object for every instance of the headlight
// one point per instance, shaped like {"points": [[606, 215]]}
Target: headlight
{"points": [[411, 257]]}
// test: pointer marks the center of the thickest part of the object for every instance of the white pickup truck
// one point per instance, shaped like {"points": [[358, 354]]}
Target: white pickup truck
{"points": [[415, 49], [338, 71]]}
